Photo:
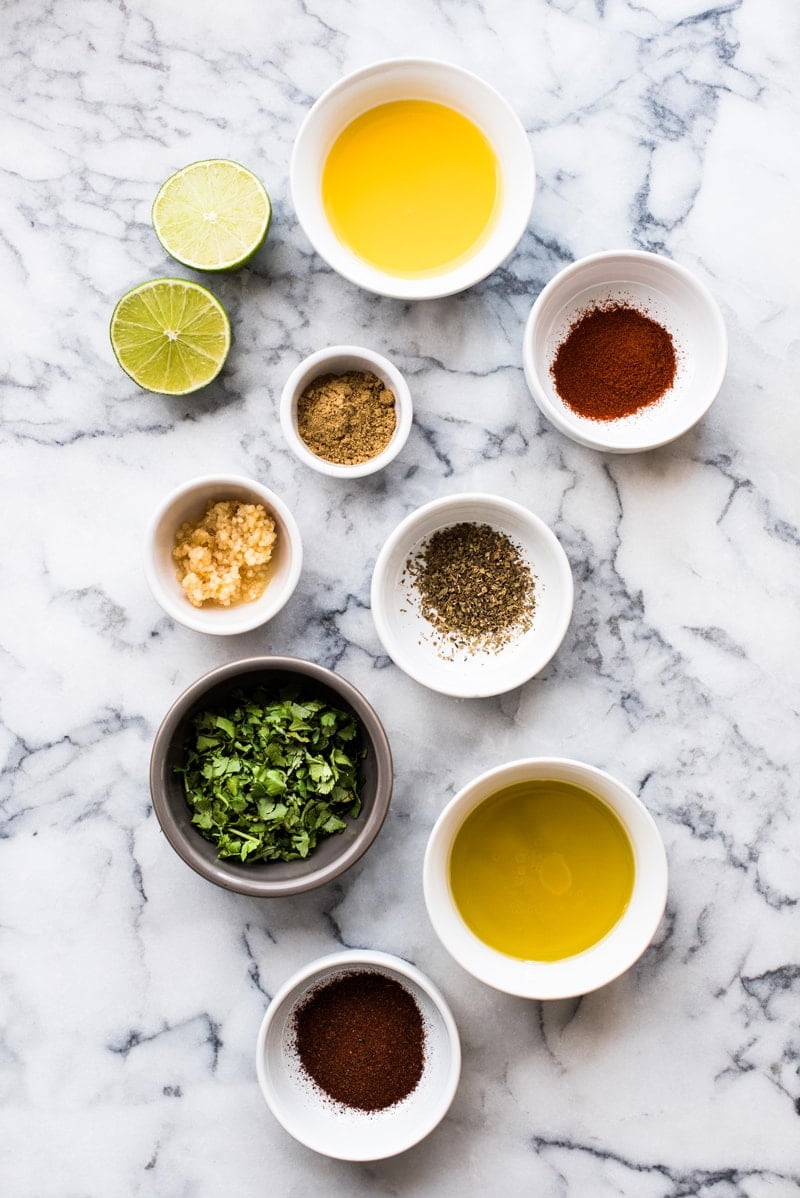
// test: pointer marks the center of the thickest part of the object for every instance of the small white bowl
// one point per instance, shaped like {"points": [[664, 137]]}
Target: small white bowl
{"points": [[327, 1126], [338, 359], [419, 79], [585, 971], [669, 294], [408, 637], [188, 502]]}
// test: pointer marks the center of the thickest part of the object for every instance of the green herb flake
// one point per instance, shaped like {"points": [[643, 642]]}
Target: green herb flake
{"points": [[266, 778]]}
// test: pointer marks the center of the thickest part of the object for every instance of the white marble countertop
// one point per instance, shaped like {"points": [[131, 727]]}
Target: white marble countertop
{"points": [[131, 990]]}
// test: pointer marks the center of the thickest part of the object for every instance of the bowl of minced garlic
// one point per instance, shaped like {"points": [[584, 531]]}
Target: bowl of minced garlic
{"points": [[346, 411], [223, 554]]}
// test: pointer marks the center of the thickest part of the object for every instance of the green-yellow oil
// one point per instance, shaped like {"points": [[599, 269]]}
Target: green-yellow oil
{"points": [[541, 870]]}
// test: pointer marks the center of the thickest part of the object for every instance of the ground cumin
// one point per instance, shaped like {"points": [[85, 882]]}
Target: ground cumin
{"points": [[346, 418], [360, 1037], [614, 361]]}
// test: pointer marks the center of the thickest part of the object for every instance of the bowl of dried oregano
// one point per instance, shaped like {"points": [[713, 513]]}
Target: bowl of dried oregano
{"points": [[472, 595]]}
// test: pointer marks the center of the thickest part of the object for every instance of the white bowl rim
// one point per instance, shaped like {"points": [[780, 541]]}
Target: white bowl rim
{"points": [[254, 614], [361, 958], [321, 358], [498, 503], [589, 433], [439, 285], [549, 979]]}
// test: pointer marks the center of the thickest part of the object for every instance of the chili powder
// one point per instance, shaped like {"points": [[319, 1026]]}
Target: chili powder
{"points": [[360, 1037], [614, 361]]}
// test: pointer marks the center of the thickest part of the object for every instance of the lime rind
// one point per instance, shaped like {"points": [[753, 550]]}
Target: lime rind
{"points": [[212, 215], [171, 336]]}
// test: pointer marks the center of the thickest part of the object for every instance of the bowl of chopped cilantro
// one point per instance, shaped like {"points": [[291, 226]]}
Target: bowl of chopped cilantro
{"points": [[472, 595], [271, 776]]}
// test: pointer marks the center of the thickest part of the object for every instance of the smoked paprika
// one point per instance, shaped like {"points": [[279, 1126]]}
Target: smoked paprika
{"points": [[614, 361], [360, 1036]]}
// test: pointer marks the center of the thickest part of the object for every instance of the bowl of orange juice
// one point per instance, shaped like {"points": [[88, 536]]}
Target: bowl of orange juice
{"points": [[413, 178]]}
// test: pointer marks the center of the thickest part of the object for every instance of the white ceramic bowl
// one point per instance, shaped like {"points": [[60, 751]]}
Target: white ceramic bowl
{"points": [[420, 79], [585, 971], [338, 359], [669, 294], [328, 1127], [408, 637], [188, 502]]}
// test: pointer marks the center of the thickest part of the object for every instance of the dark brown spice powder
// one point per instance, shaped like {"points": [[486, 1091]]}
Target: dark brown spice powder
{"points": [[614, 361], [360, 1036]]}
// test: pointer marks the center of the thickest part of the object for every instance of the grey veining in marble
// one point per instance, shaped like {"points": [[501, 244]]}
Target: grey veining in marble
{"points": [[131, 991]]}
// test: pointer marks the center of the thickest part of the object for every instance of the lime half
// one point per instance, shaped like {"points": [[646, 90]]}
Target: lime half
{"points": [[212, 215], [170, 335]]}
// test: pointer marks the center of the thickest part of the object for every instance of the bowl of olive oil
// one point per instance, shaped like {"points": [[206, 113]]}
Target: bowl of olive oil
{"points": [[545, 878], [412, 178]]}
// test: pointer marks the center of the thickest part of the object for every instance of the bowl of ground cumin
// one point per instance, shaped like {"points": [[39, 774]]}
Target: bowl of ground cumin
{"points": [[472, 595], [358, 1056], [223, 554], [346, 411], [624, 351]]}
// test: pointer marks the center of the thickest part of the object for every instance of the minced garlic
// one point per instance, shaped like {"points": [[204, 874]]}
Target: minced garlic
{"points": [[224, 557]]}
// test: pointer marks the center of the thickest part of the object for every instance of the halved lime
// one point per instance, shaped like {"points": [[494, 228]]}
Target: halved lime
{"points": [[212, 215], [170, 335]]}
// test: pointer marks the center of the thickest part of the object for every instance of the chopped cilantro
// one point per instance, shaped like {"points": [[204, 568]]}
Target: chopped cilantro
{"points": [[267, 777]]}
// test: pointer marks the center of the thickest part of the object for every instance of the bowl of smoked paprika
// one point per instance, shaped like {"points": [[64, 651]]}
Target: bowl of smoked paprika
{"points": [[358, 1056], [625, 351]]}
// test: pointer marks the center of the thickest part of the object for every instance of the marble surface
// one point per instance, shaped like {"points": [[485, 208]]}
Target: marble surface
{"points": [[131, 990]]}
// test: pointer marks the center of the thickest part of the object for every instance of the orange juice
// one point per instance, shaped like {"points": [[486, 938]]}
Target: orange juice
{"points": [[412, 187]]}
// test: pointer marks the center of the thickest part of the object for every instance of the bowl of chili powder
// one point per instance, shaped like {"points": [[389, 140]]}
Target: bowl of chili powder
{"points": [[358, 1056], [625, 351]]}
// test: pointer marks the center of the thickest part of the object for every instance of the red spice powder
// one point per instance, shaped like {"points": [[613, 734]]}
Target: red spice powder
{"points": [[613, 362], [360, 1036]]}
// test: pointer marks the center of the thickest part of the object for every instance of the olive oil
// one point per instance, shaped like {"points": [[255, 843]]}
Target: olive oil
{"points": [[412, 187], [541, 870]]}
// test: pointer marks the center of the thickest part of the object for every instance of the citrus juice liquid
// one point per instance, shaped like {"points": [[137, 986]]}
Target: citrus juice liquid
{"points": [[541, 870], [412, 187]]}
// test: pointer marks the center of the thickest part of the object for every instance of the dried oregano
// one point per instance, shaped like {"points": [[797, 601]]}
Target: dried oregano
{"points": [[474, 586]]}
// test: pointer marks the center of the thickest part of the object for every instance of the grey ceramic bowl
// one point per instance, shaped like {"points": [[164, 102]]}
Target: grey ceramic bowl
{"points": [[334, 854]]}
